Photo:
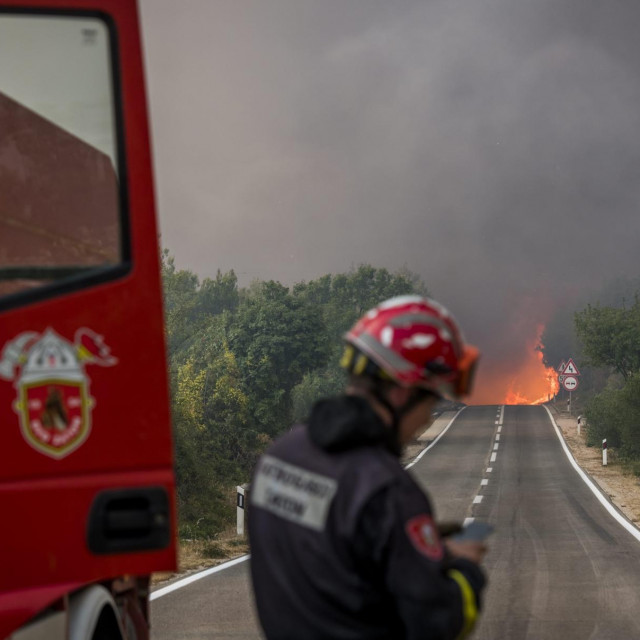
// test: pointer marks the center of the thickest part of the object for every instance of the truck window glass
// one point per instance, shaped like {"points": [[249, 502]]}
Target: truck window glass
{"points": [[60, 206]]}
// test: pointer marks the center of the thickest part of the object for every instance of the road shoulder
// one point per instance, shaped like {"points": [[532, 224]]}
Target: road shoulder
{"points": [[623, 489], [426, 437]]}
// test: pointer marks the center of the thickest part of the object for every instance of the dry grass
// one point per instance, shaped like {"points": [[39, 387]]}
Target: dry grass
{"points": [[196, 555]]}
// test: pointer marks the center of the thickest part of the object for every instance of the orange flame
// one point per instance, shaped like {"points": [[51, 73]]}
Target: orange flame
{"points": [[534, 383], [536, 379]]}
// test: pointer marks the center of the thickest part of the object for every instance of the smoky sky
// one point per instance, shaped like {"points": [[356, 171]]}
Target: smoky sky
{"points": [[491, 146]]}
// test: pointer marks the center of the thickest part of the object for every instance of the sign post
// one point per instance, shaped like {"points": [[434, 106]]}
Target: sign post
{"points": [[568, 378], [570, 383]]}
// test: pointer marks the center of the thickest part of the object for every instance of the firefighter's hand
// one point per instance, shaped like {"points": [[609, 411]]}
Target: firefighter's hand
{"points": [[473, 550]]}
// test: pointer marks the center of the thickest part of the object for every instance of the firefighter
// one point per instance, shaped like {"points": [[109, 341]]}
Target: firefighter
{"points": [[343, 541]]}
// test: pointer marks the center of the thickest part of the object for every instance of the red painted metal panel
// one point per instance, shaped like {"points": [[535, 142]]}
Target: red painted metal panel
{"points": [[105, 423]]}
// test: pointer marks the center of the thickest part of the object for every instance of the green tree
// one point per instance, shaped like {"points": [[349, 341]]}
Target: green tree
{"points": [[315, 385], [629, 397], [343, 298], [245, 363], [220, 294], [611, 337], [277, 339], [180, 290], [614, 414], [603, 419], [201, 497], [231, 440], [190, 305]]}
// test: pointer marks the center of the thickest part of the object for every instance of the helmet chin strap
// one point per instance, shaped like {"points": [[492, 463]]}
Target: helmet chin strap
{"points": [[397, 413], [394, 432]]}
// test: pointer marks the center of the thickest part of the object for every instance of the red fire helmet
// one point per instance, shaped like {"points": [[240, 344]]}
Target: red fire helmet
{"points": [[416, 342]]}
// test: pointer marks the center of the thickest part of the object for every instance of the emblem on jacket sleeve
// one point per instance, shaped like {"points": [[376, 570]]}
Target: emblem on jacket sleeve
{"points": [[53, 402], [424, 536]]}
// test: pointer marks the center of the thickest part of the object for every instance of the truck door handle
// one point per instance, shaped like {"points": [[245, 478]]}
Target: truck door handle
{"points": [[124, 520]]}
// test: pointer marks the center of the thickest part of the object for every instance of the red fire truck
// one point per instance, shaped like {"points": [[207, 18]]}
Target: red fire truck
{"points": [[86, 480]]}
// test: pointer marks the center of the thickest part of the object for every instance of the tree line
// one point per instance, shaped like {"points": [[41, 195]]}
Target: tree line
{"points": [[603, 336], [245, 363]]}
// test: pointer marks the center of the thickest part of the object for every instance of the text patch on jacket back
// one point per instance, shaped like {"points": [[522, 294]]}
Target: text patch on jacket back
{"points": [[293, 493]]}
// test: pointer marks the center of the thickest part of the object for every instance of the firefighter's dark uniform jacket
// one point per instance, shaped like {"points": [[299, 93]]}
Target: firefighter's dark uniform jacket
{"points": [[342, 539]]}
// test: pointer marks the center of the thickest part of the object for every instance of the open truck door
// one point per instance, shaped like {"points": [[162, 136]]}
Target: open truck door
{"points": [[86, 472]]}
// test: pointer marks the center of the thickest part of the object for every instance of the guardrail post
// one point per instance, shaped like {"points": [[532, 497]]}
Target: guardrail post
{"points": [[604, 452]]}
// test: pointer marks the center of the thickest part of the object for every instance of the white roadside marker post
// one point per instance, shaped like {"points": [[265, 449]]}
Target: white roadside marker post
{"points": [[604, 452], [241, 509]]}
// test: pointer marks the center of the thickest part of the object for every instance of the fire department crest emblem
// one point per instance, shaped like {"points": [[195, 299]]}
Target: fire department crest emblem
{"points": [[53, 402]]}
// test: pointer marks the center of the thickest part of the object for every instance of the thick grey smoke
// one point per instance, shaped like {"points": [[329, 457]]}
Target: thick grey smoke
{"points": [[491, 146]]}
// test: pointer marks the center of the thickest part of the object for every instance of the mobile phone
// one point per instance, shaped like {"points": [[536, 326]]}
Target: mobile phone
{"points": [[476, 531]]}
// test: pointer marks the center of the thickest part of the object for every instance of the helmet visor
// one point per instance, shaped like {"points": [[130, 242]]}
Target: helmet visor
{"points": [[467, 365]]}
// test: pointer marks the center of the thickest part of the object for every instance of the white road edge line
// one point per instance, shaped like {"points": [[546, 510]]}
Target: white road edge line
{"points": [[221, 567], [467, 521], [484, 482], [489, 469], [493, 457], [196, 576], [436, 440], [634, 531], [477, 500]]}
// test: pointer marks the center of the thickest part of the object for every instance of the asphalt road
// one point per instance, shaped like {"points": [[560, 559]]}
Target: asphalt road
{"points": [[219, 606], [559, 566]]}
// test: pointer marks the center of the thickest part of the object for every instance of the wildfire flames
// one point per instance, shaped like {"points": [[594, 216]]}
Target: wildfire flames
{"points": [[526, 381], [533, 384]]}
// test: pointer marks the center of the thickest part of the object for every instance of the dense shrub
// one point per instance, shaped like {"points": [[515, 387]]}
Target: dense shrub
{"points": [[630, 418], [614, 414], [603, 420]]}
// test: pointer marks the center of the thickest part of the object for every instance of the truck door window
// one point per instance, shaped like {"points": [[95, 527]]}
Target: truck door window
{"points": [[61, 213]]}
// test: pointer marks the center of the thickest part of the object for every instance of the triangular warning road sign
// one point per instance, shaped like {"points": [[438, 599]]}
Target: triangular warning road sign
{"points": [[571, 369], [561, 366]]}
